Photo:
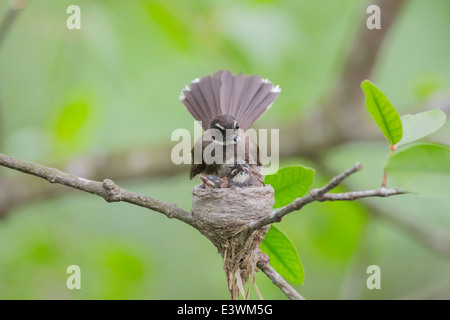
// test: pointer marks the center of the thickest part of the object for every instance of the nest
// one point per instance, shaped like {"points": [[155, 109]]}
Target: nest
{"points": [[222, 215]]}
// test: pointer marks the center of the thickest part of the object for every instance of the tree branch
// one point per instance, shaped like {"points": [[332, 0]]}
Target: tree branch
{"points": [[107, 189], [118, 166], [111, 192], [277, 279], [321, 195]]}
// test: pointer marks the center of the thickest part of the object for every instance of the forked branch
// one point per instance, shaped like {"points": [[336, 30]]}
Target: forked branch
{"points": [[111, 192], [323, 195]]}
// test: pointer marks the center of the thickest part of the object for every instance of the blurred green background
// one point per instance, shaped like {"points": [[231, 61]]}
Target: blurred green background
{"points": [[114, 85]]}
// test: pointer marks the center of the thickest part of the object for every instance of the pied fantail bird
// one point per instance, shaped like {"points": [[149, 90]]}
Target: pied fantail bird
{"points": [[229, 105]]}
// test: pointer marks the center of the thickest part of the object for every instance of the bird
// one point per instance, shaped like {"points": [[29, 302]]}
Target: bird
{"points": [[227, 105], [243, 175], [239, 176], [213, 182]]}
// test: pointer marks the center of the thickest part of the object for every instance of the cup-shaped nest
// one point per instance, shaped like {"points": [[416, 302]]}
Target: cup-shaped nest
{"points": [[223, 212]]}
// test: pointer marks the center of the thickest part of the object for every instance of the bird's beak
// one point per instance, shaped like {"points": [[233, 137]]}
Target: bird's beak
{"points": [[207, 182]]}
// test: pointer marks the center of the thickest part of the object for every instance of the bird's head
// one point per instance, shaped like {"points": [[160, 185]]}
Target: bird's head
{"points": [[224, 129], [211, 182], [239, 173]]}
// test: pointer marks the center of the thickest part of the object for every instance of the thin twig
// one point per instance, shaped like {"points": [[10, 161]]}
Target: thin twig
{"points": [[277, 279], [336, 181], [107, 189], [353, 195], [322, 194]]}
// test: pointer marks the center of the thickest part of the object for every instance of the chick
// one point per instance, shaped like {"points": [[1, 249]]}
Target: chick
{"points": [[242, 175], [213, 182]]}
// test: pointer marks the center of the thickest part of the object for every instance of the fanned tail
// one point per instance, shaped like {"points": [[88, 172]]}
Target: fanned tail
{"points": [[246, 98]]}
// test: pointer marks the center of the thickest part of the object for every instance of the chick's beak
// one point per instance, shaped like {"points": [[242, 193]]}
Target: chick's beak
{"points": [[207, 182]]}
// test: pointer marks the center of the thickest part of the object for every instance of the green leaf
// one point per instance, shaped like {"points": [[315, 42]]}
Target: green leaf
{"points": [[290, 183], [382, 112], [283, 255], [422, 168], [419, 125], [71, 119]]}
